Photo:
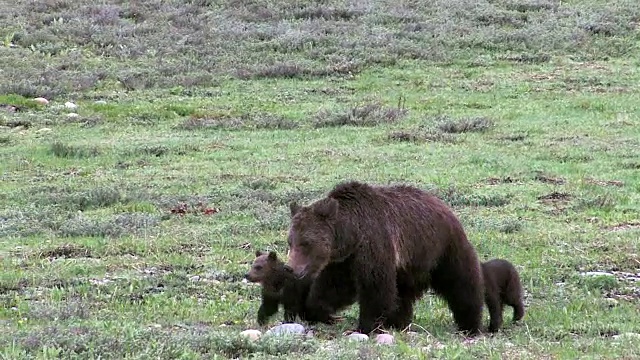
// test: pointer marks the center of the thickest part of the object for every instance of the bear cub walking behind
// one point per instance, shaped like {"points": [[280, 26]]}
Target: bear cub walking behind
{"points": [[279, 286], [502, 286]]}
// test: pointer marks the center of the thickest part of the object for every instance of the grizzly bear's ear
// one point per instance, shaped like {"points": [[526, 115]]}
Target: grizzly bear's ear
{"points": [[273, 255], [327, 209], [294, 207], [258, 253]]}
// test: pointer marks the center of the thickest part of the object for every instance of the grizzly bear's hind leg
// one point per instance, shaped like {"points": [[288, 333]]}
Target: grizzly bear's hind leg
{"points": [[515, 298], [495, 311], [463, 291]]}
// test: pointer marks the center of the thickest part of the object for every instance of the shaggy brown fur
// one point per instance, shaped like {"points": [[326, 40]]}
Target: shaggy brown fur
{"points": [[396, 242], [502, 286], [281, 286]]}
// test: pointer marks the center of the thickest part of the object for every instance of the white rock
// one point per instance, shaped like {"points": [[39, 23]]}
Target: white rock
{"points": [[251, 334], [386, 339], [356, 336], [43, 130], [72, 115], [100, 102], [70, 105], [289, 328], [41, 100], [629, 336], [596, 273]]}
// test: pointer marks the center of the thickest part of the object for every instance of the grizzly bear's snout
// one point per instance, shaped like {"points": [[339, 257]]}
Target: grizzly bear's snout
{"points": [[298, 263]]}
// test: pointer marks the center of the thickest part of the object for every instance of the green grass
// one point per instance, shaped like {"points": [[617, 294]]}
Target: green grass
{"points": [[125, 230]]}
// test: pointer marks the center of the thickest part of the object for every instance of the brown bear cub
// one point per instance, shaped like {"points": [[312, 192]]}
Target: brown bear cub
{"points": [[279, 286], [502, 286], [395, 243]]}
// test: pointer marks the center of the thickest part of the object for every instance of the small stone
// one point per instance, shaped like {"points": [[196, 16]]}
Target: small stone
{"points": [[289, 328], [356, 336], [252, 334], [43, 131], [310, 334], [72, 115], [100, 102], [70, 105], [611, 302], [41, 100], [194, 278], [385, 339], [244, 281]]}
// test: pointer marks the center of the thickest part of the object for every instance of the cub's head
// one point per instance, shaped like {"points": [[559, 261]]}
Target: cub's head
{"points": [[264, 267], [311, 236]]}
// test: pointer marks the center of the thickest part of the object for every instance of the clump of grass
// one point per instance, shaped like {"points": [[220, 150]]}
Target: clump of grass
{"points": [[234, 346], [62, 150], [286, 70], [417, 136], [259, 183], [99, 197], [66, 251], [324, 12], [113, 227], [454, 197], [599, 282], [20, 101], [231, 122], [510, 226], [60, 311], [601, 202], [475, 124], [294, 70], [367, 115], [5, 140]]}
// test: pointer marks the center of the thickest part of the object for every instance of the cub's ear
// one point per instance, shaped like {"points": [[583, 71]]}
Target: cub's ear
{"points": [[273, 255], [327, 209], [258, 253], [294, 207]]}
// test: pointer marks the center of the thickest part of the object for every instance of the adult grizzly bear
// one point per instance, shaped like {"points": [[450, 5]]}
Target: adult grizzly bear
{"points": [[399, 241], [502, 286]]}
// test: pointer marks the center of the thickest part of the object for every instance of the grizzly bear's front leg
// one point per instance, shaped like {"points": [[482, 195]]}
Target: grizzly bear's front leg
{"points": [[268, 307], [332, 290], [377, 292]]}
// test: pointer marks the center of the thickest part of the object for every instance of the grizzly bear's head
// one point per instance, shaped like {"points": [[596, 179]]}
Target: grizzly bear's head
{"points": [[264, 265], [311, 236]]}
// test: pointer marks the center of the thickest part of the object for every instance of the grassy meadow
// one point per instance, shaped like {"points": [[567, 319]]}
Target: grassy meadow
{"points": [[128, 222]]}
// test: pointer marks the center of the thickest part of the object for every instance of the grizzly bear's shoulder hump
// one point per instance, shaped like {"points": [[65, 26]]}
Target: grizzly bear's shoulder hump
{"points": [[350, 190]]}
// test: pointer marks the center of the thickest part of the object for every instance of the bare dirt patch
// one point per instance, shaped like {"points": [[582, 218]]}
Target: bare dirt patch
{"points": [[555, 197], [617, 183], [625, 226], [549, 179], [502, 180]]}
